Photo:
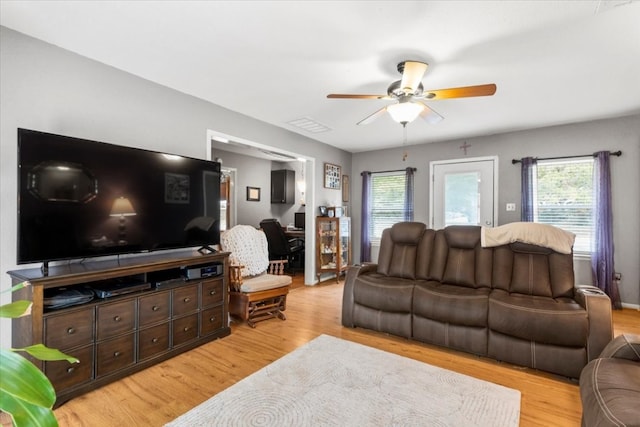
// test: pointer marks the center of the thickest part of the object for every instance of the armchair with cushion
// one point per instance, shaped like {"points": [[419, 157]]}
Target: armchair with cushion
{"points": [[281, 246], [258, 288], [610, 385]]}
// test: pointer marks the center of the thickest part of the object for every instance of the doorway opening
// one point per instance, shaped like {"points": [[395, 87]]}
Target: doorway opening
{"points": [[306, 187]]}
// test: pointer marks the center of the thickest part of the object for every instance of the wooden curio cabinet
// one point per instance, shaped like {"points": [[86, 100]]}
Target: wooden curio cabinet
{"points": [[333, 245]]}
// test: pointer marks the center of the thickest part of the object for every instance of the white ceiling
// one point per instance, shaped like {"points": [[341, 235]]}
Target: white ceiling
{"points": [[553, 62]]}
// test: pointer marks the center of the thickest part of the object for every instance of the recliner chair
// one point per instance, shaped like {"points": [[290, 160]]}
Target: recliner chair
{"points": [[281, 246]]}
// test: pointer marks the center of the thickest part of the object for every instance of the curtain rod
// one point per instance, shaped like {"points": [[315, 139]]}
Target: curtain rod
{"points": [[397, 170], [612, 153]]}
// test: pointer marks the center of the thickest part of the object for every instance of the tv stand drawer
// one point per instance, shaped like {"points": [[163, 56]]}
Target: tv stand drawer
{"points": [[69, 329], [117, 336], [115, 354], [64, 375]]}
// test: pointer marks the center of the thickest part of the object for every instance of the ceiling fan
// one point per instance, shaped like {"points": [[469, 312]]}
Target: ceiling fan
{"points": [[409, 95]]}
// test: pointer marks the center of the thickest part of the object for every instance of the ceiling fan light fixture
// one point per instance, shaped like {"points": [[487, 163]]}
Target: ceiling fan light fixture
{"points": [[404, 112]]}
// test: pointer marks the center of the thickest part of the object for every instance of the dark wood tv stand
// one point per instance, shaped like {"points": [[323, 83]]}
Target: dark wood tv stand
{"points": [[116, 336]]}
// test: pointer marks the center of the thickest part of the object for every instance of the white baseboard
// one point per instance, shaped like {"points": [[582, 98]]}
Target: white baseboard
{"points": [[631, 306]]}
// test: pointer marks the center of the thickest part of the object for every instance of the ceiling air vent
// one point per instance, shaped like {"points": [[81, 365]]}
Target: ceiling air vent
{"points": [[309, 125]]}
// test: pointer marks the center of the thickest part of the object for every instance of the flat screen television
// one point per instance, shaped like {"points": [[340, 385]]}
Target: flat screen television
{"points": [[79, 198]]}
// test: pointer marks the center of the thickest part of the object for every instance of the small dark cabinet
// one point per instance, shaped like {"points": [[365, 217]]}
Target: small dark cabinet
{"points": [[283, 183]]}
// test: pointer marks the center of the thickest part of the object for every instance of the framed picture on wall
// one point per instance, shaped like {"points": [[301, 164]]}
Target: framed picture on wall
{"points": [[253, 194], [332, 176], [345, 188]]}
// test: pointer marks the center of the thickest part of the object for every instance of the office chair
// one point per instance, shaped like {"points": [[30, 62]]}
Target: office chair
{"points": [[281, 246]]}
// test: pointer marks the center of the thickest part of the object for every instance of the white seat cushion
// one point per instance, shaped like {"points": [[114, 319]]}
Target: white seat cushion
{"points": [[264, 282]]}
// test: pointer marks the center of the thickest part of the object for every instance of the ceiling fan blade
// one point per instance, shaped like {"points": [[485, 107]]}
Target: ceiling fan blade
{"points": [[412, 75], [460, 92], [347, 96], [372, 117], [430, 115]]}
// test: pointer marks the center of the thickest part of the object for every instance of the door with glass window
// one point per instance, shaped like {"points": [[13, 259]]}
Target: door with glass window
{"points": [[463, 192]]}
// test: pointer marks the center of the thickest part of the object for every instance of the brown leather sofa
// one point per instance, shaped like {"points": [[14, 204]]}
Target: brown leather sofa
{"points": [[610, 385], [515, 303]]}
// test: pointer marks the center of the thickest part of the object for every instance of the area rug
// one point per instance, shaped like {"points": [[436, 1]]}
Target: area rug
{"points": [[333, 382]]}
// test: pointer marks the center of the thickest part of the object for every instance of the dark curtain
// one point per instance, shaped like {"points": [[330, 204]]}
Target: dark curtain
{"points": [[365, 239], [526, 182], [408, 194], [602, 254]]}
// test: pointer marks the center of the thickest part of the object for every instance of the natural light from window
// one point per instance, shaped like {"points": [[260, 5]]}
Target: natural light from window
{"points": [[387, 201], [563, 197]]}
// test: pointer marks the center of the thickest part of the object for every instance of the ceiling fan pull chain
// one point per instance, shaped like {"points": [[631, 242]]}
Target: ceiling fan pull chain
{"points": [[404, 142]]}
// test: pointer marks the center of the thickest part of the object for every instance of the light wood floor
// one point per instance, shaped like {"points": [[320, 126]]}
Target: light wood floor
{"points": [[161, 393]]}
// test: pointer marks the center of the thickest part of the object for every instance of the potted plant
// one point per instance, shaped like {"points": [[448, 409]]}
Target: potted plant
{"points": [[26, 394]]}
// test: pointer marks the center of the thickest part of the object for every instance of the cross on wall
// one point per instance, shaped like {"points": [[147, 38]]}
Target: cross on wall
{"points": [[464, 147]]}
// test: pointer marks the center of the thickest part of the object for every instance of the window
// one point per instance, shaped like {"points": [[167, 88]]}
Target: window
{"points": [[388, 201], [563, 194]]}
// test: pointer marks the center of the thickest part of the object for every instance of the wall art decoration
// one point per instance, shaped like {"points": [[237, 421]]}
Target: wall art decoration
{"points": [[253, 194], [332, 176], [345, 188]]}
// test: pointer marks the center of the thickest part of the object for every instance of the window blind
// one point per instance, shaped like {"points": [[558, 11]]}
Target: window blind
{"points": [[563, 197], [387, 201]]}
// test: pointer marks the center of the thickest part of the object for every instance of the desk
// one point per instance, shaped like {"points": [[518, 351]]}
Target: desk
{"points": [[294, 233]]}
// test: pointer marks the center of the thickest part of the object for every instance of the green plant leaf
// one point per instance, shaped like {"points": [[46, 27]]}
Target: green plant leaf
{"points": [[17, 287], [41, 352], [21, 379], [15, 309], [27, 414]]}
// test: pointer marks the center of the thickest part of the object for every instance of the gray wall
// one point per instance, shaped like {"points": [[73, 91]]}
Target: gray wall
{"points": [[575, 139], [49, 89], [254, 172]]}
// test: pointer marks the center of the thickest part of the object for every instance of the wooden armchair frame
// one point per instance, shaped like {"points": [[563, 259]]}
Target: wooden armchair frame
{"points": [[259, 305]]}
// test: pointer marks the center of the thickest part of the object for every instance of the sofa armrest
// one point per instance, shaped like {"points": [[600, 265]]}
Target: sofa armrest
{"points": [[598, 307], [347, 295], [625, 346]]}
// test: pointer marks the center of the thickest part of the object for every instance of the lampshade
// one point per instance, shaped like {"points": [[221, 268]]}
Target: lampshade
{"points": [[122, 207], [405, 112]]}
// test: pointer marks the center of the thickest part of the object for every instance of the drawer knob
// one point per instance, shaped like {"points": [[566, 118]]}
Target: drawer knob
{"points": [[212, 319], [116, 353], [186, 328], [71, 331], [155, 340], [213, 292], [70, 369], [117, 318], [155, 308], [187, 299]]}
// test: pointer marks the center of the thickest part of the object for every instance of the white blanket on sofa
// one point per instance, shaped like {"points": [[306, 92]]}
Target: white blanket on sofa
{"points": [[533, 233]]}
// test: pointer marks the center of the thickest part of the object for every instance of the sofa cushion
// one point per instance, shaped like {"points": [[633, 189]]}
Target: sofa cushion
{"points": [[458, 258], [398, 249], [560, 359], [532, 270], [610, 392], [451, 304], [383, 293], [559, 321]]}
